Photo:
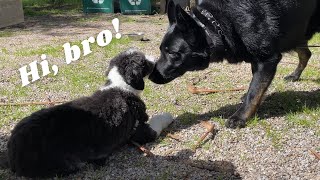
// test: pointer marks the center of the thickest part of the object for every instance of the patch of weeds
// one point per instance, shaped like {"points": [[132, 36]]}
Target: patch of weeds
{"points": [[288, 101], [207, 145], [273, 135], [15, 113], [220, 120], [6, 33], [307, 118], [187, 118], [243, 157], [126, 19], [16, 92], [80, 79], [311, 73], [191, 144], [113, 48], [49, 7], [90, 18], [279, 86], [315, 41], [5, 51], [220, 177], [55, 51], [163, 141], [58, 51], [253, 122], [224, 134]]}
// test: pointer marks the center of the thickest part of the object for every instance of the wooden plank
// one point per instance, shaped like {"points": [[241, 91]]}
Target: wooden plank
{"points": [[11, 12]]}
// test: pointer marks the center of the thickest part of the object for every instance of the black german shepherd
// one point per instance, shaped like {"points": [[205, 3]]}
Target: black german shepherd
{"points": [[254, 31]]}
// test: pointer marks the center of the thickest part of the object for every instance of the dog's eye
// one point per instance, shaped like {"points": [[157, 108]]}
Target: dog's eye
{"points": [[174, 54]]}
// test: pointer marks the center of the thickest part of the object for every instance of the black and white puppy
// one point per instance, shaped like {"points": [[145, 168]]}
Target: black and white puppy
{"points": [[60, 139]]}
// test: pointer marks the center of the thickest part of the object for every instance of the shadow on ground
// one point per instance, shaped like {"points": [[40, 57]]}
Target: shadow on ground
{"points": [[215, 169], [275, 105], [212, 169]]}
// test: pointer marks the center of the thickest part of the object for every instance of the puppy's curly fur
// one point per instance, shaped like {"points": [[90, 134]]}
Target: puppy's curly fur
{"points": [[60, 139]]}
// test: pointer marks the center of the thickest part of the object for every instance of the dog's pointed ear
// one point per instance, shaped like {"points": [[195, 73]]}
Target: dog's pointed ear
{"points": [[188, 26], [184, 20], [171, 10]]}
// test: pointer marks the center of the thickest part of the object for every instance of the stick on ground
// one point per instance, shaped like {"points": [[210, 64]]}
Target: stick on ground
{"points": [[317, 155], [143, 149], [195, 90], [210, 128], [32, 103], [172, 136]]}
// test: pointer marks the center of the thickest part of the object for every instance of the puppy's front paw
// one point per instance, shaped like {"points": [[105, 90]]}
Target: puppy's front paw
{"points": [[160, 122], [234, 122]]}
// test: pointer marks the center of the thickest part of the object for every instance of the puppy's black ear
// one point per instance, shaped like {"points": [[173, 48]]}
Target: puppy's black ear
{"points": [[171, 12], [135, 79]]}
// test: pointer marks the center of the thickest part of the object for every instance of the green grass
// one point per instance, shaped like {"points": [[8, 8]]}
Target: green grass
{"points": [[274, 135], [307, 118], [254, 122], [5, 33], [163, 141], [187, 119], [38, 3], [220, 120], [46, 7], [58, 51], [315, 41], [79, 78], [30, 11], [5, 51], [51, 50]]}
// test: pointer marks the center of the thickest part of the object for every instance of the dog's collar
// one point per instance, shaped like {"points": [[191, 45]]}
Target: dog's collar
{"points": [[205, 13], [212, 20]]}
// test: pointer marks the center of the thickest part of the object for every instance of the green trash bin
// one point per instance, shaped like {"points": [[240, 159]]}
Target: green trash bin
{"points": [[135, 6], [94, 6]]}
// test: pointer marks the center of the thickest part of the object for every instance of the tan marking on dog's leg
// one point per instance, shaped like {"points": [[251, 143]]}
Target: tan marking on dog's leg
{"points": [[304, 55]]}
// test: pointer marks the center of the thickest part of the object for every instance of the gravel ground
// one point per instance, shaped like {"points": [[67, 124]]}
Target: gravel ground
{"points": [[270, 147]]}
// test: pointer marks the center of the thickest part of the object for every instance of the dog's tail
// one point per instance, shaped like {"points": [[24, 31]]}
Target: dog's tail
{"points": [[4, 163]]}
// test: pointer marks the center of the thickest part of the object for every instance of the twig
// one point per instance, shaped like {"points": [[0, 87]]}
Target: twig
{"points": [[172, 136], [32, 103], [195, 90], [317, 155], [210, 128], [143, 149], [207, 125], [50, 102]]}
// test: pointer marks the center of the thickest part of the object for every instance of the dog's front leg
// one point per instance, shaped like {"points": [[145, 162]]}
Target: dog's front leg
{"points": [[263, 73]]}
